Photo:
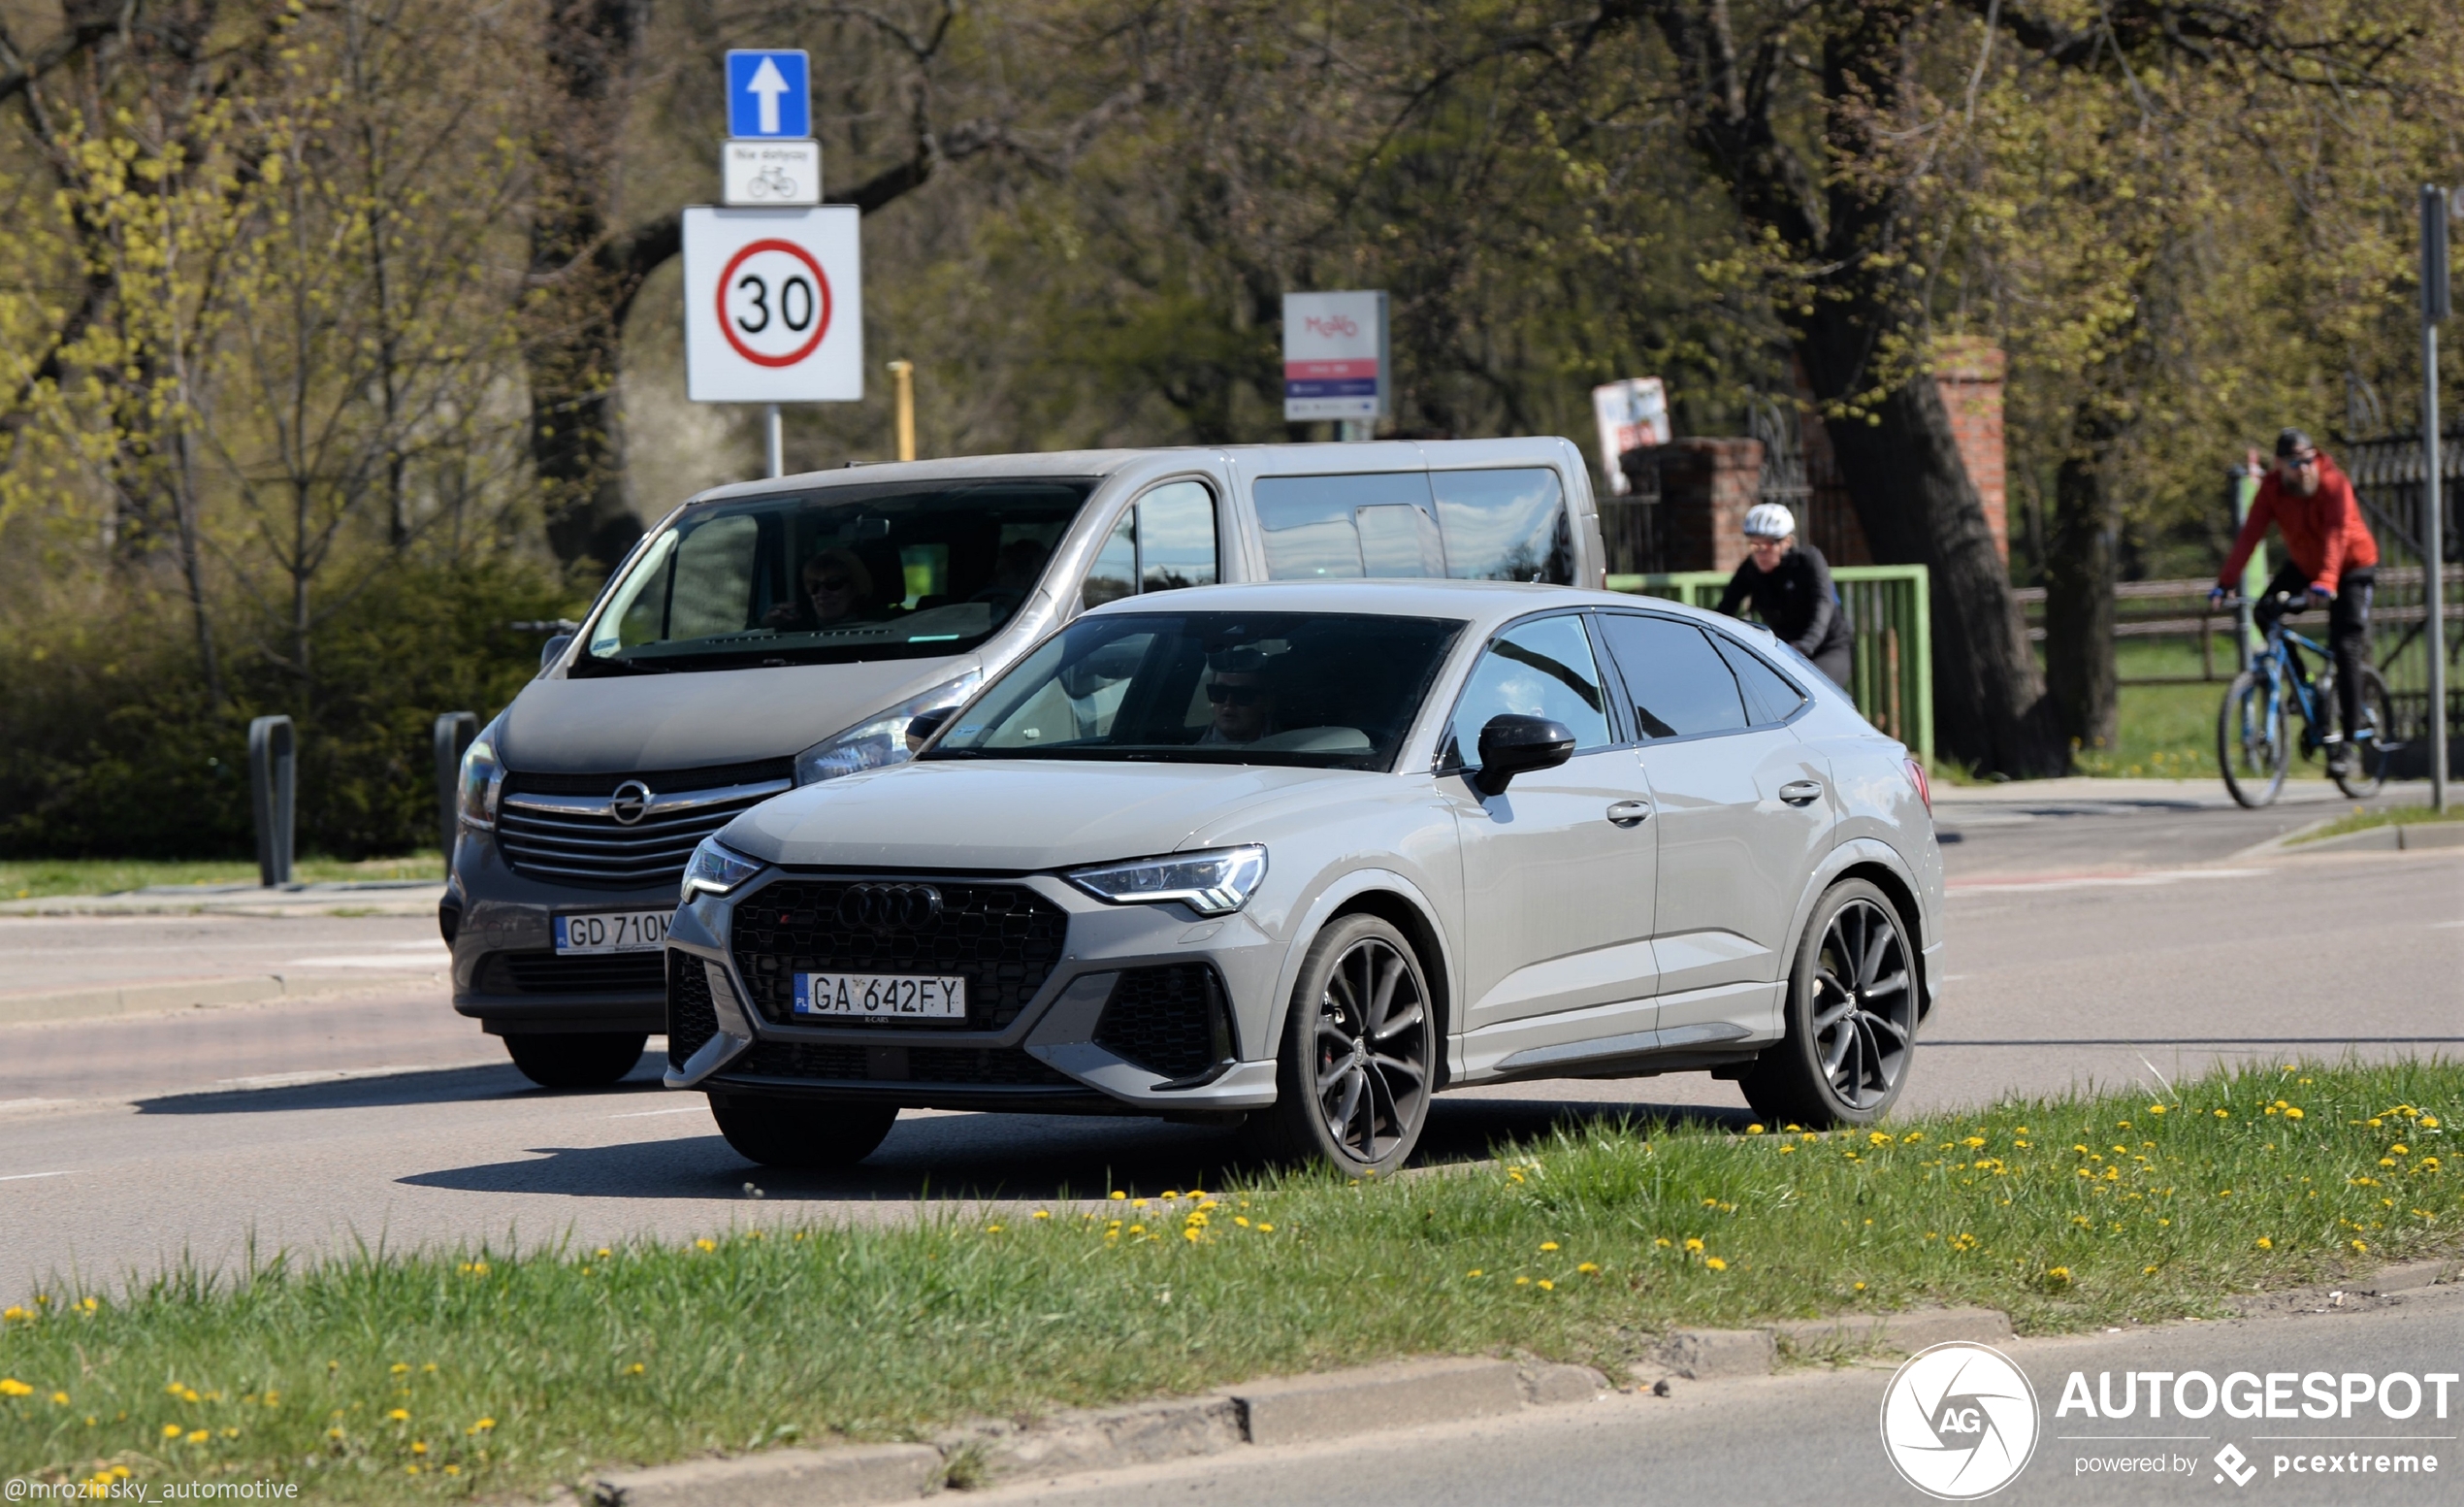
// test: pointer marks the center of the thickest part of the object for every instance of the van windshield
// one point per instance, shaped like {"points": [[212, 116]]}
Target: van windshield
{"points": [[895, 570]]}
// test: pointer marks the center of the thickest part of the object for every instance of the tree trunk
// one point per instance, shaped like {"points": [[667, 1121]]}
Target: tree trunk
{"points": [[2078, 605], [575, 348]]}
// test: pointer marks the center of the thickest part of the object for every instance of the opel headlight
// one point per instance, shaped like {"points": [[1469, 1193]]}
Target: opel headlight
{"points": [[715, 870], [482, 783], [881, 740], [1215, 883]]}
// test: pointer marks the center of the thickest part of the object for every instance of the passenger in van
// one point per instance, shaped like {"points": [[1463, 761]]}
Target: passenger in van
{"points": [[1242, 699], [838, 589]]}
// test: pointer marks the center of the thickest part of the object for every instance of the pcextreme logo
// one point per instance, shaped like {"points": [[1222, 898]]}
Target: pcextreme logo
{"points": [[1958, 1420]]}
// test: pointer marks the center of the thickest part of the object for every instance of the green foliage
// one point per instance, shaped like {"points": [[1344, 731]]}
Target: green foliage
{"points": [[109, 747], [365, 1377]]}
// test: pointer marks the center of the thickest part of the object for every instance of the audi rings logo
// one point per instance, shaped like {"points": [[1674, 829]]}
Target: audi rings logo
{"points": [[1958, 1420], [631, 803], [888, 907]]}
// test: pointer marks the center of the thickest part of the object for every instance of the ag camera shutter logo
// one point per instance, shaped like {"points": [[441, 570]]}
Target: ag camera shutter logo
{"points": [[1958, 1420]]}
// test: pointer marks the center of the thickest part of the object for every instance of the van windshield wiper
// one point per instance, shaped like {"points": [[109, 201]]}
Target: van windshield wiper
{"points": [[591, 665]]}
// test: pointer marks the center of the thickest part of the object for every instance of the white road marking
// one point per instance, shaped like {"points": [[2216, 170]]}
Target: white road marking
{"points": [[2102, 881], [19, 1177], [644, 1114]]}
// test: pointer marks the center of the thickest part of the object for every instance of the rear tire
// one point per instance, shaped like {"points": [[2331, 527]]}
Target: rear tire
{"points": [[576, 1060], [1851, 1017], [2366, 757], [804, 1134], [2253, 740], [1359, 1058]]}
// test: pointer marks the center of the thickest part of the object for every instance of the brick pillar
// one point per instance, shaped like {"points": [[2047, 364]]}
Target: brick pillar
{"points": [[1968, 371], [1705, 487]]}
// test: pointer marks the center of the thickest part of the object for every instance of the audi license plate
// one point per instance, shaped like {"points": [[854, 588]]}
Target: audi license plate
{"points": [[611, 930], [880, 996]]}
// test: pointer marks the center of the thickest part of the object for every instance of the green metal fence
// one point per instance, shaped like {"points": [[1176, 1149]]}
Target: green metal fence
{"points": [[1891, 674]]}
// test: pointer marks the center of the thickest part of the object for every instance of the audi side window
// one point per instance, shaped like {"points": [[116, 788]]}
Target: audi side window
{"points": [[1541, 669], [1344, 527], [1677, 684], [1769, 697]]}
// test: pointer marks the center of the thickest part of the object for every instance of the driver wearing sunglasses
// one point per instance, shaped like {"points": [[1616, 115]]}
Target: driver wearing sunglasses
{"points": [[1241, 699]]}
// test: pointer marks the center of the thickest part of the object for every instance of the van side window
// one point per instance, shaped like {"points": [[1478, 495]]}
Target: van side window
{"points": [[1328, 528], [1164, 541], [1505, 525], [1770, 698], [1677, 684]]}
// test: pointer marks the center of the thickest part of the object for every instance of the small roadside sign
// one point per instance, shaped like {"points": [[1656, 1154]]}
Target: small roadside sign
{"points": [[768, 174], [1631, 414], [769, 93], [774, 306], [1335, 362]]}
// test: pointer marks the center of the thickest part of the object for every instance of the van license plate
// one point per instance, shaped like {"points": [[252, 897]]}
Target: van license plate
{"points": [[611, 930], [880, 996]]}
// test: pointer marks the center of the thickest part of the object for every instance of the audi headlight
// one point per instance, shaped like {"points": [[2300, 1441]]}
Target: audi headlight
{"points": [[1215, 883], [714, 871], [482, 783], [880, 740]]}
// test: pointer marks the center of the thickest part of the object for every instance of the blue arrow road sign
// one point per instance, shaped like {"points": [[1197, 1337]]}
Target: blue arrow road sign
{"points": [[769, 94]]}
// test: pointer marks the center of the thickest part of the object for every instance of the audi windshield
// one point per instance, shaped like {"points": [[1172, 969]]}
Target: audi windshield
{"points": [[1327, 691], [898, 570]]}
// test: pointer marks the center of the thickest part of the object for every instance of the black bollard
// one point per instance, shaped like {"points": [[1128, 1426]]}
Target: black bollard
{"points": [[274, 790], [455, 731]]}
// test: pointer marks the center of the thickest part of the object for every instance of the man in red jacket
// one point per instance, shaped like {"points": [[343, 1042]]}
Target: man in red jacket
{"points": [[2334, 562]]}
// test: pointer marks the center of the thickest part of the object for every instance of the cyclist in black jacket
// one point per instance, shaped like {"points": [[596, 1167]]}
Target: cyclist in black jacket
{"points": [[1790, 586]]}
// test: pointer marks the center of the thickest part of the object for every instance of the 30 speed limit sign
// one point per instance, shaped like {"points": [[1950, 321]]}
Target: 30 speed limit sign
{"points": [[773, 306]]}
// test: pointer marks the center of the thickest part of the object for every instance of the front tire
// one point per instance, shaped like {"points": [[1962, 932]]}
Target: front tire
{"points": [[2253, 740], [804, 1134], [2366, 756], [576, 1060], [1359, 1055], [1851, 1017]]}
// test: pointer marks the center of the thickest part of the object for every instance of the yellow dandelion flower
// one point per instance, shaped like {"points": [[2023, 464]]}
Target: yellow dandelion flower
{"points": [[399, 1415], [991, 1230], [1117, 1196], [604, 1253], [1714, 1264], [2428, 1123], [1753, 1129], [2266, 1244], [1587, 1268], [1522, 1281], [198, 1436], [1042, 1213], [1859, 1286], [633, 1369], [705, 1243], [1693, 1244], [418, 1446], [2358, 1245], [60, 1399], [171, 1430], [1662, 1241], [1266, 1229], [1547, 1286], [1474, 1272], [1548, 1245]]}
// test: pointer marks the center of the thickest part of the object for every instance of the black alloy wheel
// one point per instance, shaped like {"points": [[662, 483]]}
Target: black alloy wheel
{"points": [[1354, 1078], [1851, 1017], [801, 1135], [578, 1059]]}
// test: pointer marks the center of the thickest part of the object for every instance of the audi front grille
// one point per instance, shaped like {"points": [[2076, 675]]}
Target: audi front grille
{"points": [[624, 831], [1003, 939]]}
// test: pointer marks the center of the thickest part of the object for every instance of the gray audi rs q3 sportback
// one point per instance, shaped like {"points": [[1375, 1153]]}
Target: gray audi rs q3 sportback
{"points": [[1299, 856]]}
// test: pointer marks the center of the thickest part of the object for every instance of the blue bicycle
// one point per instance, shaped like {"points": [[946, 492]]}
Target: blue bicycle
{"points": [[2254, 732]]}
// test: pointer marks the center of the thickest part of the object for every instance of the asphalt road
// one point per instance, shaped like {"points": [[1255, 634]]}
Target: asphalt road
{"points": [[1815, 1437], [381, 1116]]}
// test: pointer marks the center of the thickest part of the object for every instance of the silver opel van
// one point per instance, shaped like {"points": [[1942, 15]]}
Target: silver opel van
{"points": [[776, 634]]}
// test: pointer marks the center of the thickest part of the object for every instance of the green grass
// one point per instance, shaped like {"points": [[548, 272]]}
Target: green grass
{"points": [[367, 1378], [44, 877], [2388, 816]]}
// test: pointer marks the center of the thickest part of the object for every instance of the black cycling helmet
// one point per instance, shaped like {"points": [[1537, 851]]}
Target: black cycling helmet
{"points": [[2292, 441]]}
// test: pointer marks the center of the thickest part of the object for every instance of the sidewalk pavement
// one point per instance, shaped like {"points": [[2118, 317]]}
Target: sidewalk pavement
{"points": [[347, 898]]}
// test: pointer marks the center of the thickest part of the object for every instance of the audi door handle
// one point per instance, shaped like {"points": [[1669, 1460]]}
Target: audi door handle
{"points": [[1800, 792], [1625, 813]]}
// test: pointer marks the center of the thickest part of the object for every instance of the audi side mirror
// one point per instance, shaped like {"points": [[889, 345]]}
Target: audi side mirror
{"points": [[924, 724], [554, 646], [1512, 745]]}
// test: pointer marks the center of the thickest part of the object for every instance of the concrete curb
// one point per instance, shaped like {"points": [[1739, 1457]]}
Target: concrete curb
{"points": [[1727, 1355], [2413, 1276], [788, 1478], [2393, 838], [64, 1004], [1273, 1410]]}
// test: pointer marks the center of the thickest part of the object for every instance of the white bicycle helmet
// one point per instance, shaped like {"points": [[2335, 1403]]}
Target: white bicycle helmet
{"points": [[1769, 520]]}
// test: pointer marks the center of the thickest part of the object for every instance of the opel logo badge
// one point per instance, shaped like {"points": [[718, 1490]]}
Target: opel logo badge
{"points": [[888, 907], [631, 803]]}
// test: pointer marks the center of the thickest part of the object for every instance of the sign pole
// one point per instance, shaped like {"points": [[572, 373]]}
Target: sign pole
{"points": [[2434, 308], [903, 374], [775, 434]]}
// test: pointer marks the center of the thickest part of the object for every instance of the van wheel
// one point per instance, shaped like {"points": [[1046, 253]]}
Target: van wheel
{"points": [[806, 1135], [1352, 1080], [576, 1060], [1851, 1017]]}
